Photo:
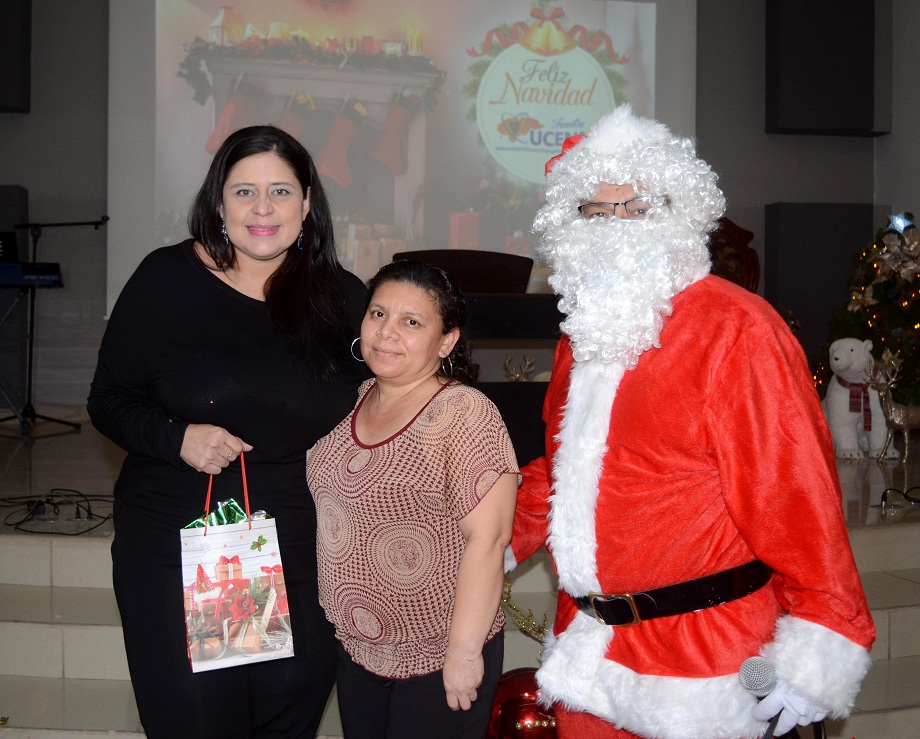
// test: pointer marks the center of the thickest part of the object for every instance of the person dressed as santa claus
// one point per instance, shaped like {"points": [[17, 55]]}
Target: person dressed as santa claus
{"points": [[689, 495]]}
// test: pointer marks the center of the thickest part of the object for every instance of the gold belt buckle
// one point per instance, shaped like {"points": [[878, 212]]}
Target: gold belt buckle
{"points": [[593, 597]]}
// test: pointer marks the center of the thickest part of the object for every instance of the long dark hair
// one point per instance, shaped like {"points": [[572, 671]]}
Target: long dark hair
{"points": [[304, 296], [459, 364]]}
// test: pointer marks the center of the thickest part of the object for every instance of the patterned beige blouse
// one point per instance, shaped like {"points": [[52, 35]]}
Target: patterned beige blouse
{"points": [[389, 541]]}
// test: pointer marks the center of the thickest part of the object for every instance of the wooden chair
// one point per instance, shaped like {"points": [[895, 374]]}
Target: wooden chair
{"points": [[732, 257], [477, 271]]}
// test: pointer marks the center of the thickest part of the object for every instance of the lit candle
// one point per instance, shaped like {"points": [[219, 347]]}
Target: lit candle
{"points": [[413, 41]]}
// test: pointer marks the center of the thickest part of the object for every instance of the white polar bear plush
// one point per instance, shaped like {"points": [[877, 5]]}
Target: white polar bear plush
{"points": [[852, 408]]}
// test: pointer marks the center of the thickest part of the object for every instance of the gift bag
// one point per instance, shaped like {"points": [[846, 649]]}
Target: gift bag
{"points": [[233, 586]]}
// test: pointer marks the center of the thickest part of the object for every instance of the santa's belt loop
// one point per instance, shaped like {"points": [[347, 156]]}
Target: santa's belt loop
{"points": [[629, 609]]}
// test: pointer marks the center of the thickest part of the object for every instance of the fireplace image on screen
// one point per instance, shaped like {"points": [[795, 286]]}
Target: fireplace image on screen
{"points": [[365, 129]]}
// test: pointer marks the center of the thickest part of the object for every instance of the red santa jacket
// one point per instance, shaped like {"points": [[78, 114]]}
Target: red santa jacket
{"points": [[710, 453]]}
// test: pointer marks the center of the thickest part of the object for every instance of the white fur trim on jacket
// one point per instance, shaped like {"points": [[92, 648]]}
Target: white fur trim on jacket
{"points": [[576, 470], [818, 662], [575, 673]]}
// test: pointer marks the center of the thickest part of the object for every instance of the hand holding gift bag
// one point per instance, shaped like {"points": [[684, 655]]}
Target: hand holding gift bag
{"points": [[234, 611]]}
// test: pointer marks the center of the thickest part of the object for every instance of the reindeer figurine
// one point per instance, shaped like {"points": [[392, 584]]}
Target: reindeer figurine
{"points": [[898, 417], [518, 372]]}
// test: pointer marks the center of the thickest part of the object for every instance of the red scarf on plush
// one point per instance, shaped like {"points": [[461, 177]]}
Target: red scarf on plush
{"points": [[859, 400]]}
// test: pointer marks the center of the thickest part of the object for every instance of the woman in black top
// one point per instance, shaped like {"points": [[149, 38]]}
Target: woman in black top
{"points": [[237, 339]]}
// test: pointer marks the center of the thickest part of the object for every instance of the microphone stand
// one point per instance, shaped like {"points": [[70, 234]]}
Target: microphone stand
{"points": [[27, 417]]}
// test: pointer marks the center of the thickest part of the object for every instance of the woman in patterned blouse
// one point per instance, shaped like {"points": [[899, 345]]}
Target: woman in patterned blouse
{"points": [[415, 493]]}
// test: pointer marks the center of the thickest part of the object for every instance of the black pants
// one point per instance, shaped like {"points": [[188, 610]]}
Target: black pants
{"points": [[280, 698], [374, 707]]}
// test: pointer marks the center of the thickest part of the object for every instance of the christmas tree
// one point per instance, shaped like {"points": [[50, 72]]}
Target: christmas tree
{"points": [[884, 305]]}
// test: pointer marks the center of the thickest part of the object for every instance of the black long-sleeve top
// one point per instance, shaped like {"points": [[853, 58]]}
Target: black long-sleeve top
{"points": [[184, 347]]}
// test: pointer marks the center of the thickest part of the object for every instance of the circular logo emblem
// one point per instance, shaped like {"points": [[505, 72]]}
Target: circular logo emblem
{"points": [[528, 104]]}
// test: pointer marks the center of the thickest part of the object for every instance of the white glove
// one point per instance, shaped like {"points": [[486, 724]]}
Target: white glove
{"points": [[796, 708]]}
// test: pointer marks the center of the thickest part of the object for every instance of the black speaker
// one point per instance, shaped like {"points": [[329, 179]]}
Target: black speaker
{"points": [[828, 67], [808, 257], [15, 56]]}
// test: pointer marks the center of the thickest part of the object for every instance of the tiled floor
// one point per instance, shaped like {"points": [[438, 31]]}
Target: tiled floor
{"points": [[68, 471]]}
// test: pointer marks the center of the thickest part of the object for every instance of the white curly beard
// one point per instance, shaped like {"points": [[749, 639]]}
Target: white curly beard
{"points": [[617, 279]]}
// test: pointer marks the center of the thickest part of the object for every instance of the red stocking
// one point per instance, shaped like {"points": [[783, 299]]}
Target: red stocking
{"points": [[388, 148], [240, 111], [294, 118], [332, 161]]}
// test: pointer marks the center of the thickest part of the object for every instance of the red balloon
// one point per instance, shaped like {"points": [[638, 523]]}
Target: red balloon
{"points": [[515, 713]]}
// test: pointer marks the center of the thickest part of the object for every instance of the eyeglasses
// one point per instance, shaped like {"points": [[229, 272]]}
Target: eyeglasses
{"points": [[635, 209]]}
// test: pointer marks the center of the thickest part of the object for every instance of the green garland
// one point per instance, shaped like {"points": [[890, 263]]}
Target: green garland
{"points": [[298, 51]]}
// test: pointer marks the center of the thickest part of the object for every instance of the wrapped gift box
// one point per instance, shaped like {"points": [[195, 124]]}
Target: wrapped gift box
{"points": [[243, 636], [274, 578], [251, 634], [205, 649], [228, 571]]}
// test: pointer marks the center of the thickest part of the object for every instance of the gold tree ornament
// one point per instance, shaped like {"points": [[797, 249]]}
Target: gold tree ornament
{"points": [[525, 623], [860, 299]]}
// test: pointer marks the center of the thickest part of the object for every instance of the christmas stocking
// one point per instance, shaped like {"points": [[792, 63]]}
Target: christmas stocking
{"points": [[240, 111], [388, 148], [294, 118], [332, 161]]}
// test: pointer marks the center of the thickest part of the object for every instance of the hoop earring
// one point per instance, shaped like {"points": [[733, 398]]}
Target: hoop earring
{"points": [[300, 241], [450, 363], [359, 359], [223, 232]]}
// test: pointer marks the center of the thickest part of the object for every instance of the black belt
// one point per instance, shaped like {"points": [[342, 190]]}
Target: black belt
{"points": [[628, 609]]}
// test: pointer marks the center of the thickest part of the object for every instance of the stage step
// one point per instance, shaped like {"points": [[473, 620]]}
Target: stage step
{"points": [[63, 672], [67, 707]]}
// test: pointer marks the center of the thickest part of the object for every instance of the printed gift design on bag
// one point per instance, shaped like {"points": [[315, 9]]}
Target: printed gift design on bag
{"points": [[236, 617], [233, 585], [274, 578]]}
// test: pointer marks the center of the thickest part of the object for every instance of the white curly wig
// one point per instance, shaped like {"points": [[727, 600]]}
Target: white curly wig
{"points": [[616, 278], [624, 149]]}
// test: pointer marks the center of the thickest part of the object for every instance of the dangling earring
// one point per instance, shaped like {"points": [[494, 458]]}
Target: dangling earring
{"points": [[223, 232], [300, 240], [353, 350], [449, 372]]}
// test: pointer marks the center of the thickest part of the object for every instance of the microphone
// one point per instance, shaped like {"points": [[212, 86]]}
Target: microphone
{"points": [[758, 677]]}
